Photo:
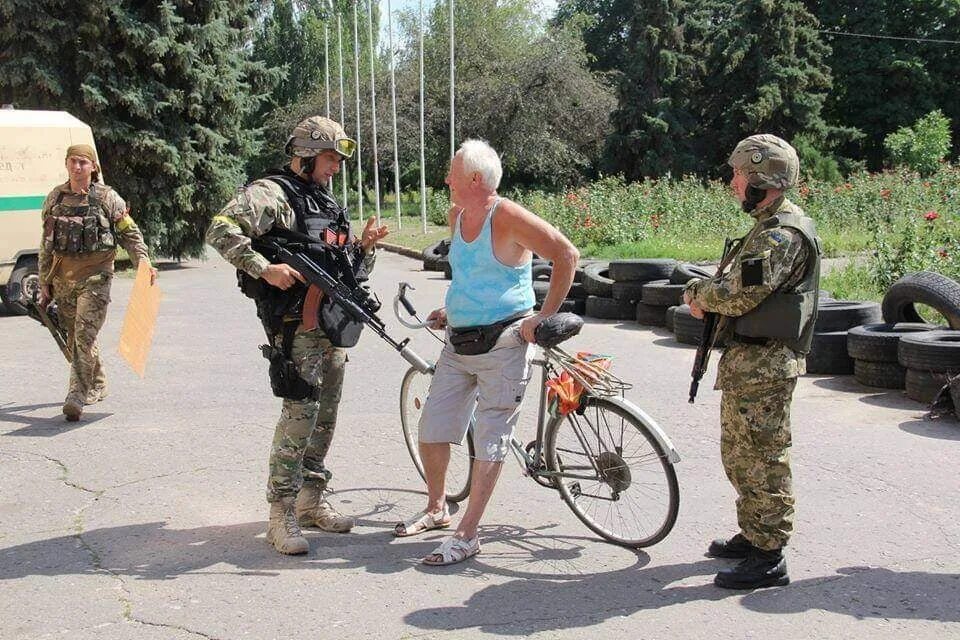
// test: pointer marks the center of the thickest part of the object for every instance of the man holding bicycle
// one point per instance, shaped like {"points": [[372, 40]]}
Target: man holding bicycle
{"points": [[490, 325]]}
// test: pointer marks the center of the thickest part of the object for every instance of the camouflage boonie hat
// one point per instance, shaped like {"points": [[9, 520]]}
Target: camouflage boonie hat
{"points": [[316, 134], [767, 161]]}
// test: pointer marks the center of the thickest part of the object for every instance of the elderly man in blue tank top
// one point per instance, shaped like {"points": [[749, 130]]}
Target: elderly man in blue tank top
{"points": [[490, 324]]}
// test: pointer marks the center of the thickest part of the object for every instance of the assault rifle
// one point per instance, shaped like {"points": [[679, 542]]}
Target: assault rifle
{"points": [[49, 317], [313, 259], [711, 325]]}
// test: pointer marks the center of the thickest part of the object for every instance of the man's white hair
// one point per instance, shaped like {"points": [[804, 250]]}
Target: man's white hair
{"points": [[479, 157]]}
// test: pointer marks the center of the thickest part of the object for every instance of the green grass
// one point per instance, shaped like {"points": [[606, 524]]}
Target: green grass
{"points": [[411, 233]]}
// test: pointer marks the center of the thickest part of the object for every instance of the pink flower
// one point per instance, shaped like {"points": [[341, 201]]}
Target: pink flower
{"points": [[930, 216]]}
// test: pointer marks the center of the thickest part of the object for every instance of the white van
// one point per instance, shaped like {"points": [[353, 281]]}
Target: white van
{"points": [[33, 145]]}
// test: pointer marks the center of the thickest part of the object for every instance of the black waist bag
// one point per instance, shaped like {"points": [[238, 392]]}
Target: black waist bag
{"points": [[473, 341]]}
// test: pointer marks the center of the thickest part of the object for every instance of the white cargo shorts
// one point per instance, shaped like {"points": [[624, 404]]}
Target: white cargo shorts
{"points": [[493, 382]]}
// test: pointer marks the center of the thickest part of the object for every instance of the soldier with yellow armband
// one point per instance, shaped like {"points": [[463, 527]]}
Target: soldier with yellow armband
{"points": [[83, 222]]}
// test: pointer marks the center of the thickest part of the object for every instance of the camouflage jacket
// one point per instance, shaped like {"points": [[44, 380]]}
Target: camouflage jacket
{"points": [[125, 230], [782, 253], [254, 211]]}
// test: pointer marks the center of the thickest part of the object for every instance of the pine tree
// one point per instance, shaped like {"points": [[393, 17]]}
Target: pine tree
{"points": [[766, 73], [881, 84], [166, 88], [654, 122]]}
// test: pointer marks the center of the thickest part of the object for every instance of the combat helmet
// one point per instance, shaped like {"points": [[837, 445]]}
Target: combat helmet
{"points": [[767, 161], [316, 134]]}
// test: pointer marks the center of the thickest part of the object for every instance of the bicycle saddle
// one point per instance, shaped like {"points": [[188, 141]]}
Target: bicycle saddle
{"points": [[557, 328]]}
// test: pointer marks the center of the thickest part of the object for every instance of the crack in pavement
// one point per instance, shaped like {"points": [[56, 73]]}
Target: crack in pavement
{"points": [[162, 625]]}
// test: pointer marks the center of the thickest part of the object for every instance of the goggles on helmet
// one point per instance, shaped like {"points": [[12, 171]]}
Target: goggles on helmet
{"points": [[344, 146]]}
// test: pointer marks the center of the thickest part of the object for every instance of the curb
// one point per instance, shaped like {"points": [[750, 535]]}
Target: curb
{"points": [[404, 251]]}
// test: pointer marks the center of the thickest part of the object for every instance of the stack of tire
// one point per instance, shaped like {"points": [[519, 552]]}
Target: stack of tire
{"points": [[828, 352], [874, 349], [690, 328], [435, 258], [615, 289], [576, 299], [929, 358]]}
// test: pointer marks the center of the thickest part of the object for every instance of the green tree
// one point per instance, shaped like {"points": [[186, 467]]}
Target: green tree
{"points": [[166, 88], [605, 39], [654, 121], [524, 88], [766, 72], [886, 82], [923, 146]]}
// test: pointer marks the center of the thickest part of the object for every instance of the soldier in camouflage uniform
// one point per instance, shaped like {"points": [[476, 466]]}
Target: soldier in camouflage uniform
{"points": [[297, 477], [83, 221], [767, 303]]}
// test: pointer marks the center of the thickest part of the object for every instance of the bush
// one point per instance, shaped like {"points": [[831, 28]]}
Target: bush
{"points": [[814, 163], [923, 146]]}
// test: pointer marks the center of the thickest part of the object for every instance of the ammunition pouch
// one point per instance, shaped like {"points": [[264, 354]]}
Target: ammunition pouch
{"points": [[338, 325]]}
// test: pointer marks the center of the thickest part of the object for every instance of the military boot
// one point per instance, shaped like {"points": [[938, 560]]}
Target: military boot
{"points": [[73, 406], [759, 569], [283, 532], [313, 510], [735, 547], [98, 393]]}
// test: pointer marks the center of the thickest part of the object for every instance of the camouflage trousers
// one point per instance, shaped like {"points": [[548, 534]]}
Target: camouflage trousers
{"points": [[755, 449], [83, 310], [305, 429]]}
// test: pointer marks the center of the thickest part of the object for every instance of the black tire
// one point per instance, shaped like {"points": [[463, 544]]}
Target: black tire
{"points": [[668, 317], [878, 342], [828, 354], [577, 291], [686, 328], [925, 287], [413, 394], [578, 275], [24, 285], [924, 386], [886, 375], [628, 291], [610, 309], [447, 270], [651, 315], [663, 294], [435, 255], [840, 315], [541, 272], [937, 351], [619, 481], [685, 272], [644, 269], [596, 280], [570, 305]]}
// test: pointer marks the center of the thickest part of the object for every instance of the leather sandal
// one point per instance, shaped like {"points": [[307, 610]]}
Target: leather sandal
{"points": [[421, 522], [453, 550]]}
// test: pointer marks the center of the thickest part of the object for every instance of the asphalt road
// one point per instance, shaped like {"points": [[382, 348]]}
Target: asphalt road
{"points": [[146, 519]]}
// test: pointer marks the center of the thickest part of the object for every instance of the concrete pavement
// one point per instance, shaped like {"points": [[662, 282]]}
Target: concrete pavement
{"points": [[146, 519]]}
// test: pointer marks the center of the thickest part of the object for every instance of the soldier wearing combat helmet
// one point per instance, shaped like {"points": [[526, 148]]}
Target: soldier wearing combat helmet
{"points": [[306, 368], [84, 221], [767, 303]]}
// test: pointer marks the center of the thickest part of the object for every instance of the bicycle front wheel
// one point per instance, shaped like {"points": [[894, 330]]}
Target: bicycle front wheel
{"points": [[413, 395], [613, 473]]}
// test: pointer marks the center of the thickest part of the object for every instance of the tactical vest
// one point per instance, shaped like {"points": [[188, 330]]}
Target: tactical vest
{"points": [[80, 229], [319, 216], [789, 316]]}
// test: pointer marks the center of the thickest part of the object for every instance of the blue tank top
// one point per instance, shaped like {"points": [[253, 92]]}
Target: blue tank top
{"points": [[483, 289]]}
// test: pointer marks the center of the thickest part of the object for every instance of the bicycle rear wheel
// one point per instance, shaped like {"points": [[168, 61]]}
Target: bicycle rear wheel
{"points": [[413, 395], [614, 474]]}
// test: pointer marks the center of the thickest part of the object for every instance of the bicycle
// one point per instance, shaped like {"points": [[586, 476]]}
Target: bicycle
{"points": [[611, 463]]}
